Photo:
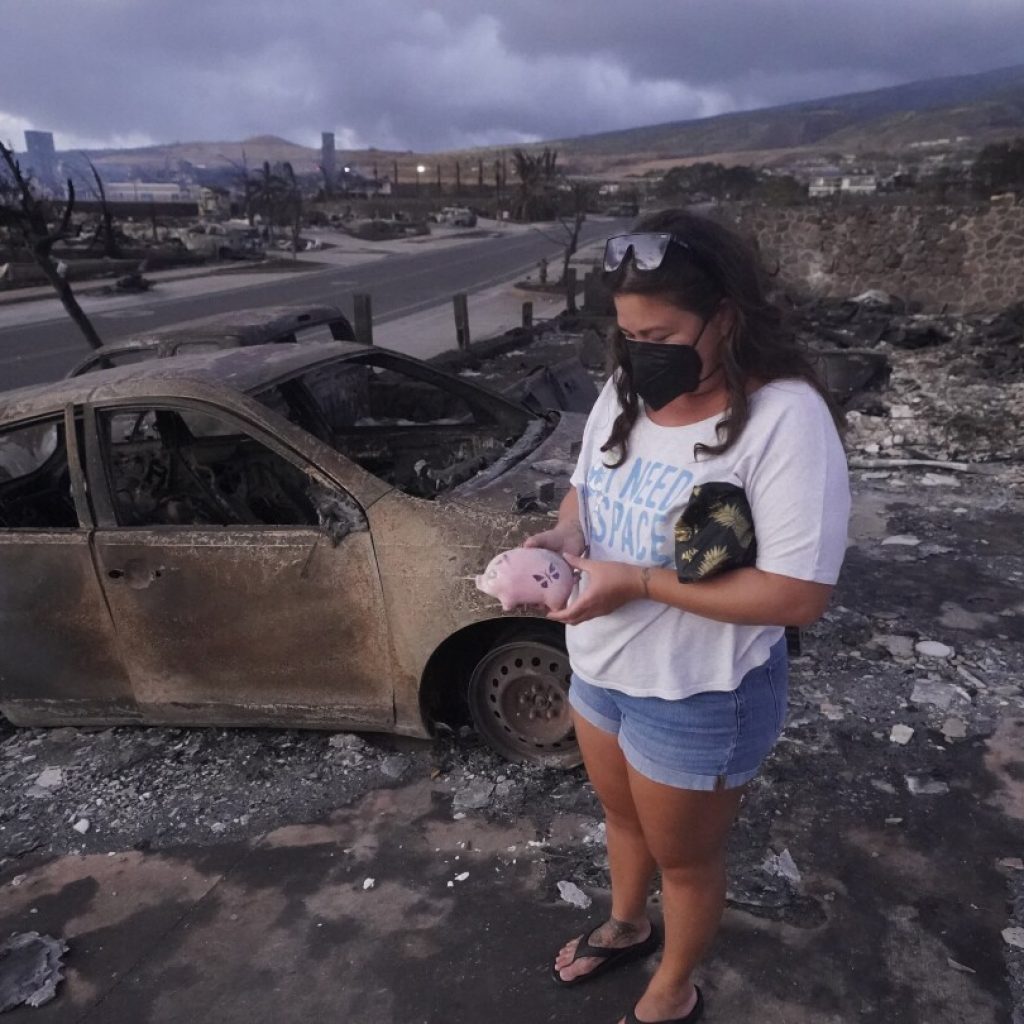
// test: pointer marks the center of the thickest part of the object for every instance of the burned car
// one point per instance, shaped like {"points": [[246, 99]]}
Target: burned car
{"points": [[264, 325], [274, 536]]}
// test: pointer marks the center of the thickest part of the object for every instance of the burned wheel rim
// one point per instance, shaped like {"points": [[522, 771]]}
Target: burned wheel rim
{"points": [[518, 697]]}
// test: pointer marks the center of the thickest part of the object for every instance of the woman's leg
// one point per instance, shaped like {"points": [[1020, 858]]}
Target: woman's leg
{"points": [[629, 861], [686, 831]]}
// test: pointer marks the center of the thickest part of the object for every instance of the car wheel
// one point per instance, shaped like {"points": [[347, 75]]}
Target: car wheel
{"points": [[518, 699]]}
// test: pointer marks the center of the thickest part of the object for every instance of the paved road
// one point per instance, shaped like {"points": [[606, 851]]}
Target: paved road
{"points": [[44, 344]]}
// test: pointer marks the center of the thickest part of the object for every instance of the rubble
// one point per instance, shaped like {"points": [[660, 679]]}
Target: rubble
{"points": [[31, 968], [571, 893], [933, 692], [889, 755], [901, 734]]}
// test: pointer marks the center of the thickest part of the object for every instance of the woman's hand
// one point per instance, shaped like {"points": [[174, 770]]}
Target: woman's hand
{"points": [[609, 586], [564, 539]]}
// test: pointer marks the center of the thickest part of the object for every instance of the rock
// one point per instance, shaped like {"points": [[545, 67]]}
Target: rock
{"points": [[962, 968], [81, 826], [899, 647], [369, 883], [832, 712], [474, 797], [922, 786], [901, 734], [574, 895], [933, 649], [347, 741], [1013, 863], [940, 480], [49, 778], [954, 729], [31, 968], [394, 767], [930, 691], [884, 787], [906, 540], [218, 827], [462, 876], [782, 865], [1014, 937]]}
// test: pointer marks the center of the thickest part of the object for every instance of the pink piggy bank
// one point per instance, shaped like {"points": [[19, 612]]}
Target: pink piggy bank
{"points": [[528, 576]]}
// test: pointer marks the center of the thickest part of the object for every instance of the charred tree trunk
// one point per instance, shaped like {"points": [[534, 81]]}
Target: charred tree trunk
{"points": [[26, 214], [68, 300], [110, 247]]}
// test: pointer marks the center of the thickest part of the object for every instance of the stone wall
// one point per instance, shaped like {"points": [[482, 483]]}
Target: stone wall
{"points": [[958, 259]]}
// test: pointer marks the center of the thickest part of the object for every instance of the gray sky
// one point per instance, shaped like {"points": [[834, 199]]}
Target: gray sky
{"points": [[408, 75]]}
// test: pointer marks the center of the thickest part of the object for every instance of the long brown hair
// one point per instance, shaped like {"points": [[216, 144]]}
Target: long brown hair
{"points": [[715, 267]]}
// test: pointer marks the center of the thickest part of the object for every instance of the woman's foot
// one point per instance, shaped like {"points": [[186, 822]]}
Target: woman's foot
{"points": [[655, 1007], [613, 934]]}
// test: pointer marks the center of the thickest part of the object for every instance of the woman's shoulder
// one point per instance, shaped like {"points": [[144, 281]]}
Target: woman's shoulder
{"points": [[790, 396]]}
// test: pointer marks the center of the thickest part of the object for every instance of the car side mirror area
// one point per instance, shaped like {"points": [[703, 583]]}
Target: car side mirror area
{"points": [[337, 514]]}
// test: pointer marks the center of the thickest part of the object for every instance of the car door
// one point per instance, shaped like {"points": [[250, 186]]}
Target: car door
{"points": [[59, 657], [242, 581]]}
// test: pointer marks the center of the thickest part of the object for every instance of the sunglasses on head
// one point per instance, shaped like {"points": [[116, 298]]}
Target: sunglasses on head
{"points": [[648, 249]]}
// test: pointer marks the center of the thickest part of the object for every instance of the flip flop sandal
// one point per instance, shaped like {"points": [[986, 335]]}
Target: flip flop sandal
{"points": [[691, 1018], [609, 957]]}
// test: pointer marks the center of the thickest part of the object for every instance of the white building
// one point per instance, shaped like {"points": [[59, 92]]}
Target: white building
{"points": [[149, 192]]}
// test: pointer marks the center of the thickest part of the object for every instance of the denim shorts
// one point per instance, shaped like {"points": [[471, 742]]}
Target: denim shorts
{"points": [[710, 740]]}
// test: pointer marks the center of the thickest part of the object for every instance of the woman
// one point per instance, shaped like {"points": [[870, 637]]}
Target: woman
{"points": [[679, 690]]}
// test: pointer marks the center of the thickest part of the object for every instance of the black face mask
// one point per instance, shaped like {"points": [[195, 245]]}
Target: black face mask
{"points": [[664, 372]]}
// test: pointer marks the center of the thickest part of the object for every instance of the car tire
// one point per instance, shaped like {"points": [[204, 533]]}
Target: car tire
{"points": [[518, 700]]}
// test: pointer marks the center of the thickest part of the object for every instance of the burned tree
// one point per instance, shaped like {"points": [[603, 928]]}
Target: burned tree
{"points": [[105, 232], [574, 198], [537, 174], [28, 218]]}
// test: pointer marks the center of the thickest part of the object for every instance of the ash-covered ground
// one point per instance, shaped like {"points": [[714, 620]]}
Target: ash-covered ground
{"points": [[881, 847]]}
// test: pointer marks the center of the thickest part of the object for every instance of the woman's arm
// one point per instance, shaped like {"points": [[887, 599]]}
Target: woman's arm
{"points": [[748, 597], [566, 537]]}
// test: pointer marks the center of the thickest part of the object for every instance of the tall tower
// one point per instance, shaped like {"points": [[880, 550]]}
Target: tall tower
{"points": [[327, 158], [42, 158]]}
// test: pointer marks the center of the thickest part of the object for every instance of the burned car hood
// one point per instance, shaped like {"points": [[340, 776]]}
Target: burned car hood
{"points": [[531, 483]]}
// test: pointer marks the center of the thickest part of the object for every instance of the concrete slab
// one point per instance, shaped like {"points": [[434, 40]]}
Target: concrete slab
{"points": [[289, 928]]}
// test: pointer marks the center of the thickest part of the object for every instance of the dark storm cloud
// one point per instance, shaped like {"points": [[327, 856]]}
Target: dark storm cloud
{"points": [[460, 72]]}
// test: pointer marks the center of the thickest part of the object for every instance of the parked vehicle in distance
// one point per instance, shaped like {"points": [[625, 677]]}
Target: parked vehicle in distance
{"points": [[264, 325], [223, 242], [457, 216], [275, 535]]}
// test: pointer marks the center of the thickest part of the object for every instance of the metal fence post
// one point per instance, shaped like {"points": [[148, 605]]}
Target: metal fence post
{"points": [[461, 304], [363, 316], [570, 290], [527, 315]]}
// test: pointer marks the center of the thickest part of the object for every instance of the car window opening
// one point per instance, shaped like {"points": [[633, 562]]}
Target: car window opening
{"points": [[411, 431], [35, 482], [183, 468]]}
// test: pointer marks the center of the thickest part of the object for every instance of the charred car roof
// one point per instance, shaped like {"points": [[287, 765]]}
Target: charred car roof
{"points": [[243, 370], [241, 328]]}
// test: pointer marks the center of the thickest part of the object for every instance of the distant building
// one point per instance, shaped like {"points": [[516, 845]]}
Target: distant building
{"points": [[41, 159], [149, 192], [834, 183], [328, 158], [859, 184], [828, 183]]}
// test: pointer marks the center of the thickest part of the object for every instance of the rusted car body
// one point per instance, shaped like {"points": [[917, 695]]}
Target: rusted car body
{"points": [[282, 535], [264, 325]]}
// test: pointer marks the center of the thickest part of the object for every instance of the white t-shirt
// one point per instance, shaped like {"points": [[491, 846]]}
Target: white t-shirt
{"points": [[790, 462]]}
